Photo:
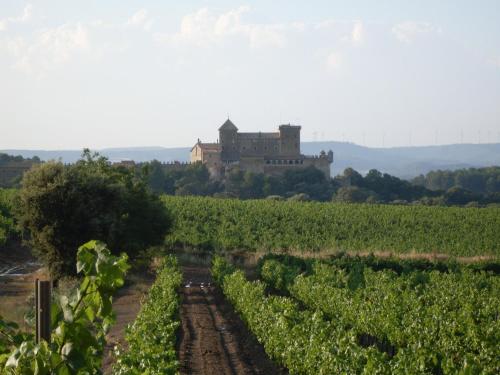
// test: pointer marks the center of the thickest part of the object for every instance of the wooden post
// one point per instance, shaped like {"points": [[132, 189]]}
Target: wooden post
{"points": [[42, 310]]}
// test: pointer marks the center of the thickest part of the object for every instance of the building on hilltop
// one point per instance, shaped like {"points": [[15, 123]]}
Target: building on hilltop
{"points": [[268, 153]]}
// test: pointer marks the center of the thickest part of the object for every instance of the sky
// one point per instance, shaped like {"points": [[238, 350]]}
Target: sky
{"points": [[123, 73]]}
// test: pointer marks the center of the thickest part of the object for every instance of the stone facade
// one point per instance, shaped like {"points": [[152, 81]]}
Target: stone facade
{"points": [[269, 153]]}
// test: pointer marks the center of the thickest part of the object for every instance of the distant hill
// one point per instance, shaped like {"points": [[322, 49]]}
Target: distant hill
{"points": [[404, 162], [407, 162]]}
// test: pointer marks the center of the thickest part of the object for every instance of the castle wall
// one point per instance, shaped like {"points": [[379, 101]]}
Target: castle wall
{"points": [[271, 153], [289, 140], [212, 160], [252, 164], [229, 145], [258, 146], [196, 153], [320, 162]]}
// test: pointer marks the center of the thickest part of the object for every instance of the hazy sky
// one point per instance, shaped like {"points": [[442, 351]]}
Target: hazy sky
{"points": [[117, 73]]}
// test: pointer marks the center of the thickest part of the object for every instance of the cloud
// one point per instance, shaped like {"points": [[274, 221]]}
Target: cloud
{"points": [[204, 29], [495, 61], [23, 18], [333, 62], [350, 31], [47, 49], [140, 19], [407, 31], [357, 33]]}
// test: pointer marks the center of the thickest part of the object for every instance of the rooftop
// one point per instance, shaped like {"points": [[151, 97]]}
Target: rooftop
{"points": [[228, 125]]}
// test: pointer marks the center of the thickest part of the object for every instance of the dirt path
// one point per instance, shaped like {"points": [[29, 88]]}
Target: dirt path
{"points": [[213, 339]]}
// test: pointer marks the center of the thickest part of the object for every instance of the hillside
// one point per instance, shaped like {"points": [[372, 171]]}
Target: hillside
{"points": [[405, 162]]}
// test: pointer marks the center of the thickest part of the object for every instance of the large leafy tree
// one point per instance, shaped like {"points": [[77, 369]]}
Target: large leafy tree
{"points": [[62, 206]]}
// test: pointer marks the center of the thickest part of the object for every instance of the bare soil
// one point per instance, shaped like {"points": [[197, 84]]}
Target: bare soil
{"points": [[18, 272], [213, 340]]}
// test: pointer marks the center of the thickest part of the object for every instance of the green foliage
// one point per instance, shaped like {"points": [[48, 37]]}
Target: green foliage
{"points": [[301, 340], [8, 227], [435, 322], [152, 336], [354, 194], [6, 158], [194, 180], [62, 206], [280, 274], [221, 268], [476, 180], [191, 179], [80, 322], [377, 186], [272, 225], [16, 164], [459, 196]]}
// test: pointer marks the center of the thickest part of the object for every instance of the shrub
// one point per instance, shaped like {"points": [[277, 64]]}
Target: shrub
{"points": [[64, 205]]}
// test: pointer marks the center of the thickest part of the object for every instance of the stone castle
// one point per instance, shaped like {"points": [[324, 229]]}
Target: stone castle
{"points": [[268, 153]]}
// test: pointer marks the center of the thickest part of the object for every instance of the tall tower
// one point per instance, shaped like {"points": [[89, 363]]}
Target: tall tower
{"points": [[289, 140], [228, 136]]}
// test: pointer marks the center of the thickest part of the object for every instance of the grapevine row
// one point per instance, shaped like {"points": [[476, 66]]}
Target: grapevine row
{"points": [[304, 341], [449, 321], [152, 336], [311, 226]]}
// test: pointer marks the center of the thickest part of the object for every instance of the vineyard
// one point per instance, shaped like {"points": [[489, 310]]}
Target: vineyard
{"points": [[335, 314], [152, 336], [319, 318], [227, 224], [342, 314]]}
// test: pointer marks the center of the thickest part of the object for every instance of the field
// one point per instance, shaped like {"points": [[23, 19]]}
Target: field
{"points": [[320, 318], [324, 312], [217, 224]]}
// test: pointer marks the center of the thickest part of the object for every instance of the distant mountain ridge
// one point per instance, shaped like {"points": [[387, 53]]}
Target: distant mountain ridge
{"points": [[404, 162]]}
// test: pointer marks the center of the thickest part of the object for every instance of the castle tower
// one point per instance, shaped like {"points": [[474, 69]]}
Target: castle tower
{"points": [[289, 140], [228, 136]]}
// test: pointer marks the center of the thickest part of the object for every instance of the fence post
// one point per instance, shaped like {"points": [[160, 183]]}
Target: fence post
{"points": [[42, 311]]}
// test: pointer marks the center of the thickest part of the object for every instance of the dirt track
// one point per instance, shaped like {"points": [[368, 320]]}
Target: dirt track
{"points": [[213, 339]]}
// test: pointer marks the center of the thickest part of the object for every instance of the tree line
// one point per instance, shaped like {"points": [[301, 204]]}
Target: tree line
{"points": [[60, 206], [311, 184]]}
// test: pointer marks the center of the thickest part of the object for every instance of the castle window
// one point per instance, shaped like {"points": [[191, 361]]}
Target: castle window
{"points": [[296, 162], [274, 161], [268, 162], [302, 162], [291, 162]]}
